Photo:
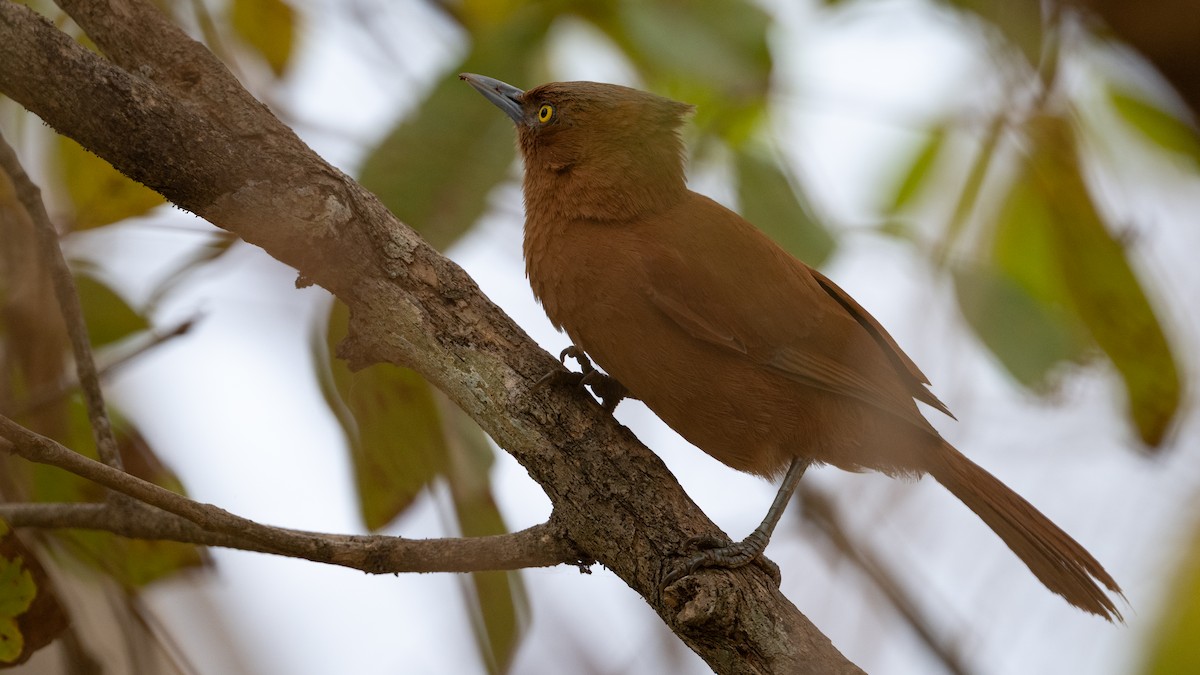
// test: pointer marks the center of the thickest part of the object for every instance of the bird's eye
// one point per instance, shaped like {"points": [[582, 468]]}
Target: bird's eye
{"points": [[545, 113]]}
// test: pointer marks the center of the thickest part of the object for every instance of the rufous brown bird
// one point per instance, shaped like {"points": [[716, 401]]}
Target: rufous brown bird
{"points": [[748, 353]]}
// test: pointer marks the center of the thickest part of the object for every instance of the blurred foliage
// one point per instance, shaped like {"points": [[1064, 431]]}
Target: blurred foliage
{"points": [[108, 317], [37, 391], [268, 27], [436, 168], [771, 199], [30, 614], [1094, 271], [1174, 649], [500, 604], [133, 563], [1054, 282], [917, 174], [1164, 129], [403, 436], [1028, 337], [391, 424], [97, 193]]}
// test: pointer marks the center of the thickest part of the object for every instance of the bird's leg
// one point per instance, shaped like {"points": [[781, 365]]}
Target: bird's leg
{"points": [[608, 389], [751, 548]]}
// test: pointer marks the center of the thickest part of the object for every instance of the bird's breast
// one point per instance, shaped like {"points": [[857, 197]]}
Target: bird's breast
{"points": [[591, 278]]}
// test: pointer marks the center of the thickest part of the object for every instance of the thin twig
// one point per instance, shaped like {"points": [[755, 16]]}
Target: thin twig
{"points": [[68, 300], [969, 197], [173, 517], [537, 546], [1047, 75], [213, 520], [55, 393], [818, 510]]}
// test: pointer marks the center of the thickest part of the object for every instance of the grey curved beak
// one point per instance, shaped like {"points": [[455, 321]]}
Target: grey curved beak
{"points": [[504, 96]]}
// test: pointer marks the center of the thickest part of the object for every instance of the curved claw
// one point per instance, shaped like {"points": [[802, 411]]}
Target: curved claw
{"points": [[608, 389], [585, 364], [568, 376]]}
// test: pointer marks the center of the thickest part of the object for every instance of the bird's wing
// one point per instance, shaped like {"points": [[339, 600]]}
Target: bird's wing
{"points": [[889, 346], [777, 313], [806, 366]]}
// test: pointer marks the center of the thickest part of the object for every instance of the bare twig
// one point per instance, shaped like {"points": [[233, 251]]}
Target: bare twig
{"points": [[538, 546], [202, 520], [49, 395], [68, 300], [174, 517]]}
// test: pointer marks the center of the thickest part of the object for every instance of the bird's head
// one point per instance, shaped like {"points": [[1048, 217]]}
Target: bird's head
{"points": [[593, 150]]}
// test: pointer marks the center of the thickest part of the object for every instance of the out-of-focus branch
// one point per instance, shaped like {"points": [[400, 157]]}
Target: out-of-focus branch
{"points": [[50, 395], [68, 300], [818, 510]]}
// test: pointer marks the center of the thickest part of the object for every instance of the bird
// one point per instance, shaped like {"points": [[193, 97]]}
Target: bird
{"points": [[751, 355]]}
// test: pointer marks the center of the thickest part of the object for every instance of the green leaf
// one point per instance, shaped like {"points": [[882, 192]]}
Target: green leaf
{"points": [[1093, 272], [499, 601], [1173, 648], [722, 44], [1027, 337], [717, 57], [132, 563], [479, 16], [30, 614], [771, 201], [268, 27], [218, 245], [1155, 124], [99, 194], [436, 169], [1025, 256], [107, 316], [1019, 21], [918, 169], [17, 591], [391, 422], [1023, 244]]}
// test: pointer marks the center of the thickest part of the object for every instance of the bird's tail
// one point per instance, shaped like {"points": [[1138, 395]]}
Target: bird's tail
{"points": [[1056, 559]]}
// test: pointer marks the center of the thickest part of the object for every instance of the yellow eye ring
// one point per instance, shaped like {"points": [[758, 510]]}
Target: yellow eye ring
{"points": [[545, 113]]}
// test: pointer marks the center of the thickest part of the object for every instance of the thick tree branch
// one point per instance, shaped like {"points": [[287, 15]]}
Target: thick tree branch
{"points": [[68, 302], [169, 115]]}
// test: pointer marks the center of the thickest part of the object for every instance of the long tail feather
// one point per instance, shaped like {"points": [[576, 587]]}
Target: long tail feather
{"points": [[1056, 559]]}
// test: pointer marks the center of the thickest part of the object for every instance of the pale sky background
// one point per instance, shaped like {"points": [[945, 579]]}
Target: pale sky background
{"points": [[235, 409]]}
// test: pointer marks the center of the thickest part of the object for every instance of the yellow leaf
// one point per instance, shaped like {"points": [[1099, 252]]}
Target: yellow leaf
{"points": [[268, 27], [391, 423], [99, 194], [1106, 293], [1174, 649]]}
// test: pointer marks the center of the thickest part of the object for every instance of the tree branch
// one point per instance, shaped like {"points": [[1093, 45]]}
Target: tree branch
{"points": [[169, 115], [538, 546], [68, 302]]}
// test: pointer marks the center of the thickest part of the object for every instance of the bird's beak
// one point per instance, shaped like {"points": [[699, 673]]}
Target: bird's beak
{"points": [[504, 96]]}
